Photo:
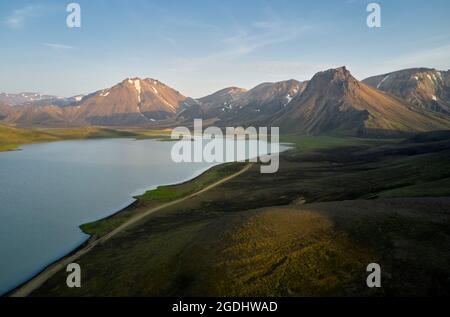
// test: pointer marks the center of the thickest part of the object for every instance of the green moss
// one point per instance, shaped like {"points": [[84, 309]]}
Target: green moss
{"points": [[102, 227], [171, 192]]}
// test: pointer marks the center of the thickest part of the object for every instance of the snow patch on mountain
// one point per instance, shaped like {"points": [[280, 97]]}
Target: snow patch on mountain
{"points": [[289, 99], [137, 86], [382, 81]]}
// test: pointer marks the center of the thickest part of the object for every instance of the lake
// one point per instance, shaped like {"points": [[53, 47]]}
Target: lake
{"points": [[48, 190]]}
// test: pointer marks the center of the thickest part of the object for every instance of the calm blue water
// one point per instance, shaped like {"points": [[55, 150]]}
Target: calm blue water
{"points": [[48, 190]]}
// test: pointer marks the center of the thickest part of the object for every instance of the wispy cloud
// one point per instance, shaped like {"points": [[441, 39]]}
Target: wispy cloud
{"points": [[227, 56], [261, 34], [244, 41], [18, 18], [171, 41], [431, 57], [435, 57], [57, 46]]}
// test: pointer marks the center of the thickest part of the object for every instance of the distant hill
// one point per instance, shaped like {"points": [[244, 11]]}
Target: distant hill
{"points": [[12, 137], [26, 97]]}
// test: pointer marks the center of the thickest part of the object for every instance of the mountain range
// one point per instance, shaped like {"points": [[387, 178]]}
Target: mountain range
{"points": [[335, 102], [332, 102]]}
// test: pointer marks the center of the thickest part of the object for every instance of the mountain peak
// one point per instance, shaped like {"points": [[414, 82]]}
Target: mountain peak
{"points": [[132, 80], [234, 90], [336, 79], [340, 73]]}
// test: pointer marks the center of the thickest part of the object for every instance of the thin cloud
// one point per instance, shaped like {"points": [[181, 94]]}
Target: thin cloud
{"points": [[432, 57], [244, 41], [18, 18], [436, 57], [57, 46], [261, 34], [229, 57], [171, 41]]}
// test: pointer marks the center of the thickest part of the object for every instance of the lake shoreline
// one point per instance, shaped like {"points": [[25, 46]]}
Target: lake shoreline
{"points": [[90, 242]]}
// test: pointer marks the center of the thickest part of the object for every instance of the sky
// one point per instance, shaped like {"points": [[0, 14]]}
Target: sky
{"points": [[200, 46]]}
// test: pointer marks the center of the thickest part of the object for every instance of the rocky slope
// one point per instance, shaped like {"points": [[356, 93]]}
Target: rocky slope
{"points": [[427, 89], [235, 106]]}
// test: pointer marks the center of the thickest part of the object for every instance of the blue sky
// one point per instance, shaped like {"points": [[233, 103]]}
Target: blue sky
{"points": [[199, 46]]}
